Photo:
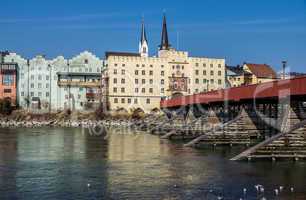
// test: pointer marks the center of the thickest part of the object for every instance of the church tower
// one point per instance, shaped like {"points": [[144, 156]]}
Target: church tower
{"points": [[143, 44]]}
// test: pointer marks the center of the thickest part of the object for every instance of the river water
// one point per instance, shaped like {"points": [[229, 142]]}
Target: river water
{"points": [[66, 163]]}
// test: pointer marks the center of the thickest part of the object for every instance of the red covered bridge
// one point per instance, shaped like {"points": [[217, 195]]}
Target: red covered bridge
{"points": [[279, 89]]}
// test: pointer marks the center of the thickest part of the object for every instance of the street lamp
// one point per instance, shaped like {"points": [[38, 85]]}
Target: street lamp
{"points": [[284, 69]]}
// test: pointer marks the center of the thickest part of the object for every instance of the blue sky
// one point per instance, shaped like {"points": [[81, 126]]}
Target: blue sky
{"points": [[260, 31]]}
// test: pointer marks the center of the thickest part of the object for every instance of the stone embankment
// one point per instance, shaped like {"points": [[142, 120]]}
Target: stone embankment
{"points": [[24, 119], [66, 123]]}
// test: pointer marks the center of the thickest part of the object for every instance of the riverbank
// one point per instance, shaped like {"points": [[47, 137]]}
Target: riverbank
{"points": [[22, 119]]}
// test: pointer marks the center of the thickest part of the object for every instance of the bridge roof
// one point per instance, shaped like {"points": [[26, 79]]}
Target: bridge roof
{"points": [[275, 89]]}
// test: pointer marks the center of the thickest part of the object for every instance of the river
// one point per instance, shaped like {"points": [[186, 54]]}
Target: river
{"points": [[67, 163]]}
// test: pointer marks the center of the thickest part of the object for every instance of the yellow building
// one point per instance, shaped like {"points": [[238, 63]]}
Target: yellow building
{"points": [[250, 74], [136, 80]]}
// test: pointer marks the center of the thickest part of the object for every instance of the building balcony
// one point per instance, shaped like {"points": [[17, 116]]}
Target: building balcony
{"points": [[93, 95], [67, 83]]}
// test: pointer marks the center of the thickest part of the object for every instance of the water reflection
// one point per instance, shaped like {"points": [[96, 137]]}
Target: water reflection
{"points": [[72, 164]]}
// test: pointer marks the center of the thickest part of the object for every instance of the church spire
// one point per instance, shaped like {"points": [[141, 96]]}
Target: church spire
{"points": [[143, 37], [143, 44], [164, 40]]}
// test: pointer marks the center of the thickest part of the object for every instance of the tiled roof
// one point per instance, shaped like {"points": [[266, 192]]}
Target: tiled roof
{"points": [[107, 54], [236, 70], [262, 70]]}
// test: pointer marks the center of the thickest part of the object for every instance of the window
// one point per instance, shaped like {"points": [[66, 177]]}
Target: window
{"points": [[47, 85], [136, 72], [22, 94], [143, 90], [136, 90], [183, 67], [115, 71], [197, 64], [115, 80], [204, 80], [197, 81], [151, 73], [204, 72], [151, 81], [122, 100], [47, 94], [39, 94], [32, 85], [122, 90], [219, 81], [7, 90], [162, 66], [8, 79], [32, 94], [136, 81], [219, 73], [151, 66], [219, 65], [137, 65], [162, 90], [123, 81], [115, 64], [47, 77], [115, 90], [39, 85], [115, 100], [143, 81], [162, 81], [143, 65], [86, 61], [204, 64], [123, 65], [197, 72], [129, 100], [148, 101], [135, 101], [151, 90], [123, 72], [196, 90], [212, 81], [162, 73], [211, 73], [211, 65], [32, 77], [143, 72]]}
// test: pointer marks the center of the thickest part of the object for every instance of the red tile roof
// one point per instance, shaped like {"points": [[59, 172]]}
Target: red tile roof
{"points": [[262, 70]]}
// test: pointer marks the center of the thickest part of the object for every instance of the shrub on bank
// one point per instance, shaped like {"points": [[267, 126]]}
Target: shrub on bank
{"points": [[5, 106], [138, 114]]}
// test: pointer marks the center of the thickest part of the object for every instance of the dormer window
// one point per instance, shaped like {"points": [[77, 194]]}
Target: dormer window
{"points": [[86, 61]]}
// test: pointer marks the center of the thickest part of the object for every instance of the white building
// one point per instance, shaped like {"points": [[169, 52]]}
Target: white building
{"points": [[39, 86], [135, 80]]}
